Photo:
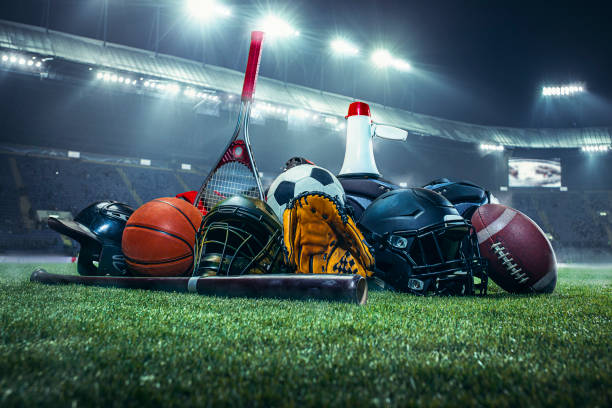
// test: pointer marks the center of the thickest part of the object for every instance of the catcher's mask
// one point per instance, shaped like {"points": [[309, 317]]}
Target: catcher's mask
{"points": [[240, 235], [423, 245], [98, 229]]}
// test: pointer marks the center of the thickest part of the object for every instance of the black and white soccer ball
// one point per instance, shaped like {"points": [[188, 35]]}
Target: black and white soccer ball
{"points": [[301, 179]]}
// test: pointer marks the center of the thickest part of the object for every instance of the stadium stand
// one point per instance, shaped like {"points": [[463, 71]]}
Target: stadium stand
{"points": [[70, 185]]}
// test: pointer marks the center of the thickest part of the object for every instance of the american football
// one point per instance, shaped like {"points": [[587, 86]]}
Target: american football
{"points": [[279, 203], [521, 259]]}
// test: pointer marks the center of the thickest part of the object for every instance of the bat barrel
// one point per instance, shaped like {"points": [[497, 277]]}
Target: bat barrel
{"points": [[343, 288], [339, 288]]}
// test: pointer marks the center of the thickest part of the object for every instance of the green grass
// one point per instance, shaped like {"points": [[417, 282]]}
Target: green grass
{"points": [[72, 346]]}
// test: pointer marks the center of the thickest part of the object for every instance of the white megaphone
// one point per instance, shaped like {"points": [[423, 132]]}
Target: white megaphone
{"points": [[359, 155]]}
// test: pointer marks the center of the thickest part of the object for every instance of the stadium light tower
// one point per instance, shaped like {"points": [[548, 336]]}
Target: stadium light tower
{"points": [[204, 10]]}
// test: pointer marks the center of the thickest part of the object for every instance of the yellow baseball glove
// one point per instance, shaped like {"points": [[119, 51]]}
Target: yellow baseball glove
{"points": [[320, 237]]}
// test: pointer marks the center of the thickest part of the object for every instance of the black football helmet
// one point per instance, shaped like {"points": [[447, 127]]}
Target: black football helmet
{"points": [[98, 229], [361, 190], [464, 195], [240, 235], [422, 245]]}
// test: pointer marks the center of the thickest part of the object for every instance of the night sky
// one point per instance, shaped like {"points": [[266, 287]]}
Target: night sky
{"points": [[477, 61]]}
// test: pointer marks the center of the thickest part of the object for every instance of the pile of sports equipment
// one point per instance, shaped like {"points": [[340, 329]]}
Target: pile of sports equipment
{"points": [[313, 235]]}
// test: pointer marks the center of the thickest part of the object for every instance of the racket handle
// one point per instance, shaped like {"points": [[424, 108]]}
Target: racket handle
{"points": [[252, 69]]}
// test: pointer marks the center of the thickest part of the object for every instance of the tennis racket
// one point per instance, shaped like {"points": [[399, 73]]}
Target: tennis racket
{"points": [[236, 172]]}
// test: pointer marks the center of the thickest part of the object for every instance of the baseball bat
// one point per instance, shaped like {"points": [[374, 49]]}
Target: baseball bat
{"points": [[339, 288]]}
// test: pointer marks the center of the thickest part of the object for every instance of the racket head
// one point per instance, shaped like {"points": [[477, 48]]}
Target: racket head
{"points": [[233, 175]]}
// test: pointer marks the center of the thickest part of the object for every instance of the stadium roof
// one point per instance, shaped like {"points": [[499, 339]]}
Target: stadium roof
{"points": [[96, 53]]}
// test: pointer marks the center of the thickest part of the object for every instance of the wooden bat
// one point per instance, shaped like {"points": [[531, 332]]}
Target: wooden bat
{"points": [[338, 288]]}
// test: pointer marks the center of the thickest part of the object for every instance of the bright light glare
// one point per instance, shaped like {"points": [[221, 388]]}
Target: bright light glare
{"points": [[595, 148], [563, 90], [277, 27], [402, 65], [383, 59], [492, 148], [204, 10], [343, 47], [5, 58], [99, 75]]}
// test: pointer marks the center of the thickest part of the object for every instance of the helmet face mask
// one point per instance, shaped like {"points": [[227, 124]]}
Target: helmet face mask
{"points": [[436, 256], [241, 235]]}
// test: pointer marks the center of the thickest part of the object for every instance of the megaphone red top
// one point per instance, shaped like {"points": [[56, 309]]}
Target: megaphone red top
{"points": [[358, 108]]}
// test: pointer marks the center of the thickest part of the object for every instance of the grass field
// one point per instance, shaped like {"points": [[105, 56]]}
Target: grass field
{"points": [[73, 346]]}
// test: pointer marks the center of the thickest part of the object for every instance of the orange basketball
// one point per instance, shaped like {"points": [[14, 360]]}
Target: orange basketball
{"points": [[160, 236]]}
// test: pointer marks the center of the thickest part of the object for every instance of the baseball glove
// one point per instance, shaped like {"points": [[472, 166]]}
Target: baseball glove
{"points": [[320, 237]]}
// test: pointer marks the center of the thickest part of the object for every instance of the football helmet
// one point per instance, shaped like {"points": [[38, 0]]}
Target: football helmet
{"points": [[98, 229], [362, 190], [240, 235], [422, 245], [464, 195]]}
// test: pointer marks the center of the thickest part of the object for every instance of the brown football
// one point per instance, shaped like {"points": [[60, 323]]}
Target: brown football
{"points": [[521, 259]]}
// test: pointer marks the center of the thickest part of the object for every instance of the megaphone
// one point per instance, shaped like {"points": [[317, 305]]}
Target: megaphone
{"points": [[359, 154]]}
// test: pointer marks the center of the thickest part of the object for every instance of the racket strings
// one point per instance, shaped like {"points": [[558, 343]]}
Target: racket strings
{"points": [[230, 179]]}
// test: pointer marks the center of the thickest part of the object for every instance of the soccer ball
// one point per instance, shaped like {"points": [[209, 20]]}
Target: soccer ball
{"points": [[301, 179]]}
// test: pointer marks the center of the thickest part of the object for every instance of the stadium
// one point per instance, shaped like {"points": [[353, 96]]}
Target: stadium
{"points": [[88, 118]]}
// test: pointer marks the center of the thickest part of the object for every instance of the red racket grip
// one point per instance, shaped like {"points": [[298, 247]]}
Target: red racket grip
{"points": [[252, 69]]}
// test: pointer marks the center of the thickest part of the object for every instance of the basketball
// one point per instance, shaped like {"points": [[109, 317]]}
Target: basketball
{"points": [[160, 236]]}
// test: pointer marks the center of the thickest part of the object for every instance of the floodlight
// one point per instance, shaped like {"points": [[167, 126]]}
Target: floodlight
{"points": [[491, 147], [38, 64], [276, 27], [595, 148], [564, 90], [204, 10], [107, 76], [5, 58], [114, 78], [30, 63], [382, 58], [22, 61], [342, 47], [13, 58], [402, 65], [100, 75]]}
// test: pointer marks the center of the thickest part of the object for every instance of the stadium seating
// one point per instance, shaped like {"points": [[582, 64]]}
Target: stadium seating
{"points": [[71, 185]]}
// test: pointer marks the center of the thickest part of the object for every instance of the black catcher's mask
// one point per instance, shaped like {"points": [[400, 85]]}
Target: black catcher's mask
{"points": [[98, 229], [422, 245], [240, 235]]}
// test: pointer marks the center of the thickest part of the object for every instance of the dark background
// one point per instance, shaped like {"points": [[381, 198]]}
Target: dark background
{"points": [[476, 61]]}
